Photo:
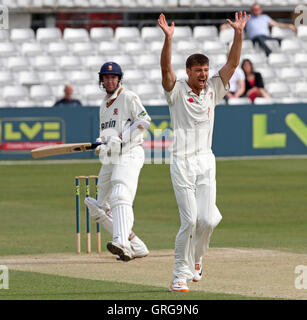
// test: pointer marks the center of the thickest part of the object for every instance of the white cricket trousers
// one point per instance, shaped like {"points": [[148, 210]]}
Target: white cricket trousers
{"points": [[118, 182], [194, 185]]}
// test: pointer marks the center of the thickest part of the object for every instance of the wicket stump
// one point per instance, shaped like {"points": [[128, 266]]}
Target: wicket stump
{"points": [[78, 186]]}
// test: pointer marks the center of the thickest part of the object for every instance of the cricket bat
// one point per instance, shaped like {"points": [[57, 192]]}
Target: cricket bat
{"points": [[53, 150]]}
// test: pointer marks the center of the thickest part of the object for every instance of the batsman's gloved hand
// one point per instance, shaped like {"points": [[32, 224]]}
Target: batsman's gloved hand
{"points": [[115, 145], [102, 149]]}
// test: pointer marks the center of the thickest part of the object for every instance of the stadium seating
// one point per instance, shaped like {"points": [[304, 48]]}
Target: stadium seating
{"points": [[51, 57]]}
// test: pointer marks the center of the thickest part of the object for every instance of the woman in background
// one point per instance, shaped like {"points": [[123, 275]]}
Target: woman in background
{"points": [[254, 86]]}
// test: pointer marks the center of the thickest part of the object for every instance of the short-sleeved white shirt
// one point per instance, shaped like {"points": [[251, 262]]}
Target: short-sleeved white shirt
{"points": [[126, 106], [258, 26], [234, 80], [192, 116]]}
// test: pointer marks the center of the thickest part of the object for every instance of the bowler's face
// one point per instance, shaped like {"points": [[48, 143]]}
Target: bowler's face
{"points": [[110, 82], [198, 76]]}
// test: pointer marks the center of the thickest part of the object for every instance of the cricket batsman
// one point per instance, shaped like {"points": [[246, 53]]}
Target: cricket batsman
{"points": [[192, 103], [123, 120]]}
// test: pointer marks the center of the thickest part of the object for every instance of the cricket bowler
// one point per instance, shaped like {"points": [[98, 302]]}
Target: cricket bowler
{"points": [[191, 104]]}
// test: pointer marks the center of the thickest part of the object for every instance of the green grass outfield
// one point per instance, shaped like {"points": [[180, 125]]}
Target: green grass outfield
{"points": [[263, 203]]}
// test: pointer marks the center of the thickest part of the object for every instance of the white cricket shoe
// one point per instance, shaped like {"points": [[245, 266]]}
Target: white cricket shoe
{"points": [[117, 249], [138, 246], [198, 272], [179, 285]]}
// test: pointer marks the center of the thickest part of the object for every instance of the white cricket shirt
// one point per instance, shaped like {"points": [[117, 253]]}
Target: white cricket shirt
{"points": [[192, 116], [124, 106]]}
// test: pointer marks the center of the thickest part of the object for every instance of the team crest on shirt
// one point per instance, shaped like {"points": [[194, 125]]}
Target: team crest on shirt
{"points": [[115, 112], [211, 95]]}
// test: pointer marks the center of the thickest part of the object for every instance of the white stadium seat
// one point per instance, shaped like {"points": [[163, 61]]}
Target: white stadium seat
{"points": [[124, 60], [92, 92], [218, 60], [155, 47], [93, 62], [201, 33], [239, 101], [8, 49], [28, 78], [279, 60], [267, 73], [81, 77], [288, 100], [15, 93], [4, 35], [20, 35], [31, 49], [291, 74], [154, 75], [148, 61], [147, 91], [182, 33], [300, 59], [65, 3], [290, 46], [75, 35], [53, 77], [57, 48], [25, 103], [134, 76], [187, 47], [101, 33], [302, 32], [178, 60], [69, 62], [83, 48], [261, 100], [6, 78], [150, 34], [213, 47], [278, 89], [18, 63], [226, 35], [278, 32], [127, 34], [46, 35], [44, 62], [40, 92], [300, 89], [135, 47], [109, 47]]}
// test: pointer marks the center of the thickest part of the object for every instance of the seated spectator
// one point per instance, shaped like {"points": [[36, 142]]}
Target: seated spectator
{"points": [[254, 86], [258, 27], [236, 85], [67, 99]]}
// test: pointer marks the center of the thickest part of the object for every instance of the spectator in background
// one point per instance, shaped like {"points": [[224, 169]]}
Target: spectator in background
{"points": [[67, 99], [236, 85], [258, 27], [254, 86]]}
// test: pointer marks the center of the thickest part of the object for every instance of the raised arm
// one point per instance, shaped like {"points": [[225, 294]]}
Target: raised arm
{"points": [[168, 75], [290, 26], [235, 51]]}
